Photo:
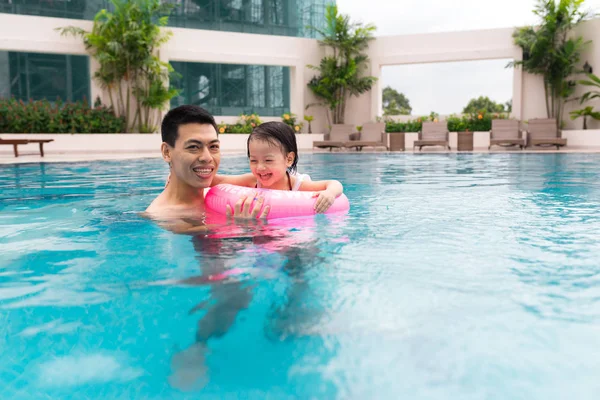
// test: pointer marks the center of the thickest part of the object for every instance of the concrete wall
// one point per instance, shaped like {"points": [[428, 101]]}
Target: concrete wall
{"points": [[434, 48], [127, 143], [528, 90], [534, 105], [590, 31], [37, 34]]}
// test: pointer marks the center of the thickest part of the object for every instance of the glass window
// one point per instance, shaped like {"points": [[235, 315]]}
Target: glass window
{"points": [[229, 90], [44, 76], [270, 17]]}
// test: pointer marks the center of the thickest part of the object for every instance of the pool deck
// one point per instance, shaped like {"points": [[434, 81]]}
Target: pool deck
{"points": [[92, 147], [34, 157], [26, 158]]}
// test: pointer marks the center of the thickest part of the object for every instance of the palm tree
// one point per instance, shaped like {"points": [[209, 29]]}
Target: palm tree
{"points": [[548, 50], [594, 82], [340, 74], [125, 43], [585, 113]]}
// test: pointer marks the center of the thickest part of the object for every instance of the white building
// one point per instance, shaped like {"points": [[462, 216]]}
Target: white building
{"points": [[249, 56]]}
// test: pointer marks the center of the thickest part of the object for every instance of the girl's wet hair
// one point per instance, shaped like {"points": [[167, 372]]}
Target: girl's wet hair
{"points": [[277, 134]]}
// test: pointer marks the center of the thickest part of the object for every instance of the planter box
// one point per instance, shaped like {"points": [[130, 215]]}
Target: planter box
{"points": [[396, 141], [127, 143], [464, 141], [481, 140]]}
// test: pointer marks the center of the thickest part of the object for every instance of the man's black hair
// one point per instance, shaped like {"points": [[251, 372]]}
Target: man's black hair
{"points": [[182, 115]]}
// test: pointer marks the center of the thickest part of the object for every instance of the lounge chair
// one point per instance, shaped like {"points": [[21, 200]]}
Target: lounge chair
{"points": [[16, 142], [506, 132], [372, 135], [433, 134], [543, 131], [338, 137]]}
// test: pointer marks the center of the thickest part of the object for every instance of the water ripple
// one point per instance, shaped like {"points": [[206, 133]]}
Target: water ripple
{"points": [[453, 276]]}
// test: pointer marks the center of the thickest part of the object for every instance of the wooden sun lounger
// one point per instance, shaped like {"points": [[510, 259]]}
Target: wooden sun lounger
{"points": [[372, 135], [338, 137], [506, 132], [433, 134], [543, 131], [16, 142]]}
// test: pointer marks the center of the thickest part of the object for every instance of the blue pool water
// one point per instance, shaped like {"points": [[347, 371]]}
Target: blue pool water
{"points": [[452, 277]]}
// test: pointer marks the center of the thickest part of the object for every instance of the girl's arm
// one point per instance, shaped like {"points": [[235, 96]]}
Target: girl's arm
{"points": [[246, 180], [327, 192]]}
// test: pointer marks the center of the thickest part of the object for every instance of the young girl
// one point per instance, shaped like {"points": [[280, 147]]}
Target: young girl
{"points": [[273, 156]]}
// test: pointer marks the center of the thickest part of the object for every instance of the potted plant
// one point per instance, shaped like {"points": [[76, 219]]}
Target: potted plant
{"points": [[396, 135], [309, 119], [465, 141], [585, 113], [356, 135], [594, 82]]}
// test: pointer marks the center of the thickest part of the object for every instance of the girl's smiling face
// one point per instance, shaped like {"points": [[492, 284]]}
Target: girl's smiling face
{"points": [[269, 164]]}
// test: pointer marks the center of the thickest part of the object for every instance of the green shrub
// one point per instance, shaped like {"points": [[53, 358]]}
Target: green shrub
{"points": [[245, 124], [408, 126], [480, 122], [43, 116], [290, 119]]}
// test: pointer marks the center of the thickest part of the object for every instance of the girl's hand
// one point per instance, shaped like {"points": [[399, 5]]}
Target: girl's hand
{"points": [[324, 200]]}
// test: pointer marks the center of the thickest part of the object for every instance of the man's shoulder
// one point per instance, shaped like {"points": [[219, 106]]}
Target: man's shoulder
{"points": [[177, 219], [161, 208], [157, 205]]}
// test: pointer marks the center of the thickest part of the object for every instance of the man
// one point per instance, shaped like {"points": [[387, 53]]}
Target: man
{"points": [[191, 148]]}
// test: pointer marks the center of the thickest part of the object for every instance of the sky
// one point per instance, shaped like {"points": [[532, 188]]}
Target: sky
{"points": [[446, 88]]}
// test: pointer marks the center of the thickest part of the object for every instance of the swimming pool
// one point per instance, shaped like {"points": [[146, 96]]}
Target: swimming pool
{"points": [[464, 276]]}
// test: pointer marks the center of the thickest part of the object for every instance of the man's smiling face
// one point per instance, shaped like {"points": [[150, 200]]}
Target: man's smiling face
{"points": [[196, 156]]}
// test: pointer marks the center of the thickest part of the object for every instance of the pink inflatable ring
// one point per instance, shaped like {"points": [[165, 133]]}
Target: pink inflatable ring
{"points": [[284, 203]]}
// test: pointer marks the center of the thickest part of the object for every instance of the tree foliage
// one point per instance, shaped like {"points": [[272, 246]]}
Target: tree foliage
{"points": [[484, 104], [395, 103], [550, 51], [340, 73], [125, 42]]}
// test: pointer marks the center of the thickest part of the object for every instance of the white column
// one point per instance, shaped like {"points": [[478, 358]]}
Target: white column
{"points": [[297, 87], [95, 89], [517, 100], [376, 92]]}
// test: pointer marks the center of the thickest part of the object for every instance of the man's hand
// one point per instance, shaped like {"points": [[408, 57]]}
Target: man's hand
{"points": [[245, 210], [324, 200]]}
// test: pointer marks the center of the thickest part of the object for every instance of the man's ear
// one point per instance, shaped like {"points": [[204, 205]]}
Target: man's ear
{"points": [[165, 150]]}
